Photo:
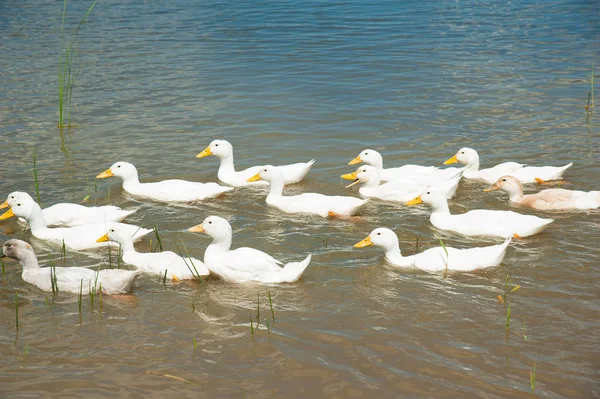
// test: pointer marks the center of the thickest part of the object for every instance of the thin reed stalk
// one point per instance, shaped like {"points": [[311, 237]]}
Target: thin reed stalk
{"points": [[158, 240], [447, 257], [271, 306], [79, 298], [191, 266], [66, 76], [34, 175], [532, 378], [17, 310]]}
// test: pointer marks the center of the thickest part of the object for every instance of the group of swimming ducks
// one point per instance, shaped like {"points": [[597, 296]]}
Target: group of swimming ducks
{"points": [[87, 228]]}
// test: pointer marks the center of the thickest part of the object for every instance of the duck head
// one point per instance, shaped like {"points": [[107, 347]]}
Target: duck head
{"points": [[380, 237], [17, 249], [370, 157], [121, 169], [22, 208], [268, 173], [364, 174], [215, 226], [466, 156], [117, 235], [14, 197], [218, 148]]}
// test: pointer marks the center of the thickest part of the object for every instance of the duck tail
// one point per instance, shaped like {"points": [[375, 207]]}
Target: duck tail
{"points": [[114, 282], [294, 270], [502, 250], [562, 169]]}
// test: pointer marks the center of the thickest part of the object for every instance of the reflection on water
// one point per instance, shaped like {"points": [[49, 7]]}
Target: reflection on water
{"points": [[286, 82]]}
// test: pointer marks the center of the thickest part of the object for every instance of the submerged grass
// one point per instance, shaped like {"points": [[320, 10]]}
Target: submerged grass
{"points": [[66, 76]]}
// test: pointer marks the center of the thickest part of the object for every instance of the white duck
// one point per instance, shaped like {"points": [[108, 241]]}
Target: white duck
{"points": [[66, 214], [436, 259], [374, 158], [222, 149], [480, 221], [176, 266], [68, 279], [75, 238], [163, 191], [243, 264], [313, 203], [550, 199], [397, 190], [527, 174]]}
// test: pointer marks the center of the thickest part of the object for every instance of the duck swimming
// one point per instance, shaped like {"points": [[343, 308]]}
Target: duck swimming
{"points": [[173, 190], [76, 238], [243, 264], [436, 259], [550, 199], [68, 279], [165, 263], [526, 174], [223, 150], [67, 214], [480, 221], [313, 203]]}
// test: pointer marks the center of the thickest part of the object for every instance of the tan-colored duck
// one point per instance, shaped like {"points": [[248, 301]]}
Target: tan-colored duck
{"points": [[550, 199]]}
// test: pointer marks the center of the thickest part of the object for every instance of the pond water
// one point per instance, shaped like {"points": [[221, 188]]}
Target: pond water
{"points": [[288, 82]]}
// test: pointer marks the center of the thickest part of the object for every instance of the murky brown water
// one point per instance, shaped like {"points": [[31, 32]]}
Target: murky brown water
{"points": [[289, 82]]}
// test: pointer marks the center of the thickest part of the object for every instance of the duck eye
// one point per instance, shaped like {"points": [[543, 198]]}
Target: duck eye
{"points": [[366, 153], [112, 230], [378, 234], [462, 152], [216, 145], [12, 196], [428, 192], [8, 245], [18, 204], [209, 222], [503, 179], [118, 166]]}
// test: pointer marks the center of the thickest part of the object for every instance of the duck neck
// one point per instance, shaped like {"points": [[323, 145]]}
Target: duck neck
{"points": [[393, 254], [276, 188], [29, 261], [127, 248], [516, 194], [222, 243], [374, 181], [131, 180], [227, 164], [378, 163], [471, 169], [440, 207], [36, 221]]}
